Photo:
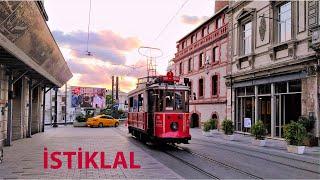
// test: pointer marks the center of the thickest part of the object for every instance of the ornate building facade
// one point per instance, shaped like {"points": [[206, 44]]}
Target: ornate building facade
{"points": [[274, 73], [202, 57]]}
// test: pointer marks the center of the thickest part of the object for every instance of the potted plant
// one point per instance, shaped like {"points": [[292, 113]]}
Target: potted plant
{"points": [[259, 132], [206, 129], [213, 126], [227, 126], [308, 123], [294, 133]]}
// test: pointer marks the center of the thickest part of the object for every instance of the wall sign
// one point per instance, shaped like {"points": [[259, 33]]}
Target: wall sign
{"points": [[247, 122]]}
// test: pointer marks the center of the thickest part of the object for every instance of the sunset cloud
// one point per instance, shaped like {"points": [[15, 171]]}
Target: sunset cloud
{"points": [[192, 20], [99, 74], [104, 45]]}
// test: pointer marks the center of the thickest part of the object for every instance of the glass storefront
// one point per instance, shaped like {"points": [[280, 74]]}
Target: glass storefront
{"points": [[246, 104], [257, 102]]}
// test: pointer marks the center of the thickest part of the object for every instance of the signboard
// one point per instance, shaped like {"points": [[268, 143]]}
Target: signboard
{"points": [[24, 33], [88, 97], [247, 122]]}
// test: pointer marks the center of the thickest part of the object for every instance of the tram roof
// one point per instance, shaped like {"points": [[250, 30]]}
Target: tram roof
{"points": [[145, 86]]}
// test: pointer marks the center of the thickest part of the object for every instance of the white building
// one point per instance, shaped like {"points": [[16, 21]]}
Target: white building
{"points": [[123, 100]]}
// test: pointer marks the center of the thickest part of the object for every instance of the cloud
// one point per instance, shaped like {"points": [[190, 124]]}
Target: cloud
{"points": [[99, 74], [186, 19], [104, 45]]}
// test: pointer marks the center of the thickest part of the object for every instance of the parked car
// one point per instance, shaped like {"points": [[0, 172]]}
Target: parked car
{"points": [[102, 121]]}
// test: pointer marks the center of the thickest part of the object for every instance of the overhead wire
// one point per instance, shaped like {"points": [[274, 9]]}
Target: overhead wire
{"points": [[88, 36], [170, 20]]}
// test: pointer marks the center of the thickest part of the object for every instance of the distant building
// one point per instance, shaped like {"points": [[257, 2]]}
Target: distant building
{"points": [[122, 103], [64, 103]]}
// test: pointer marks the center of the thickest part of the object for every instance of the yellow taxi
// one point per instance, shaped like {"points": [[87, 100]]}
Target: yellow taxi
{"points": [[102, 121]]}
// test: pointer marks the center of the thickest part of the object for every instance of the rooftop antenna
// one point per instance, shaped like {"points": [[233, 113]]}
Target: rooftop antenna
{"points": [[151, 53]]}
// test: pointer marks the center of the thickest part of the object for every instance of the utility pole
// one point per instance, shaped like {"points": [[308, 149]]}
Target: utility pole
{"points": [[117, 88], [66, 104], [55, 123], [112, 90]]}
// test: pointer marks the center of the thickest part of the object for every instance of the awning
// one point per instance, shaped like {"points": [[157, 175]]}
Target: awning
{"points": [[271, 79], [26, 43]]}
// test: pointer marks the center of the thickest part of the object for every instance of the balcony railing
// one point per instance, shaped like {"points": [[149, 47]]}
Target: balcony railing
{"points": [[202, 42]]}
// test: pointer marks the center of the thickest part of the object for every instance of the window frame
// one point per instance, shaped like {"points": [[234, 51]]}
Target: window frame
{"points": [[201, 64], [215, 86], [180, 68], [217, 22], [190, 65], [216, 59], [279, 23], [243, 37], [201, 95]]}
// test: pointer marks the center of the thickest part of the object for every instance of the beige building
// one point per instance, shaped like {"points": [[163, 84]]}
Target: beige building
{"points": [[202, 58], [30, 63], [274, 73]]}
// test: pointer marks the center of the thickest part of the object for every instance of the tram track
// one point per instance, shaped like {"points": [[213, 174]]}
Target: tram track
{"points": [[211, 160], [201, 163], [206, 174], [227, 148], [192, 166]]}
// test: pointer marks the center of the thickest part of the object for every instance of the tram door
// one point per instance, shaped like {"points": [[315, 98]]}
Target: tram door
{"points": [[152, 100]]}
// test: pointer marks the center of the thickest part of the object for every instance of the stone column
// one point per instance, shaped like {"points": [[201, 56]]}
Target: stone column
{"points": [[256, 99], [9, 122], [273, 110]]}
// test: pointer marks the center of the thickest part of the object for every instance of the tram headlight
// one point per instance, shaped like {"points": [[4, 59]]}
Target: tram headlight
{"points": [[174, 126]]}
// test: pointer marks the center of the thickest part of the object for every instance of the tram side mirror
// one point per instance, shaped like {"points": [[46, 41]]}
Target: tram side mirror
{"points": [[186, 81]]}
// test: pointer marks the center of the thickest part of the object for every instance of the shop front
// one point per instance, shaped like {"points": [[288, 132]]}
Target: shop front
{"points": [[275, 103]]}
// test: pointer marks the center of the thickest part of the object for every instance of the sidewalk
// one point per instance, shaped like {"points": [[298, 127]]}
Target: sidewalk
{"points": [[273, 146], [24, 159]]}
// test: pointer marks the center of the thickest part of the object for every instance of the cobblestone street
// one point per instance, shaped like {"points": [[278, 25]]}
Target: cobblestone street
{"points": [[25, 158]]}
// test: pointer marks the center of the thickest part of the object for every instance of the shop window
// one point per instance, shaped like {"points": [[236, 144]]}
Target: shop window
{"points": [[295, 86], [281, 87], [215, 85], [241, 91], [215, 54], [250, 90], [284, 22], [201, 88], [264, 89]]}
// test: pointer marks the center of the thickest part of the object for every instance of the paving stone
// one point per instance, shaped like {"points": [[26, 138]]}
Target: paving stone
{"points": [[24, 159]]}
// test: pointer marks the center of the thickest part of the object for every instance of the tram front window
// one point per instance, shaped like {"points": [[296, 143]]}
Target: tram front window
{"points": [[171, 100]]}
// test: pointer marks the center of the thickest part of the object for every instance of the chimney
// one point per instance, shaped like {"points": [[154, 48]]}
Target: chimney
{"points": [[219, 5]]}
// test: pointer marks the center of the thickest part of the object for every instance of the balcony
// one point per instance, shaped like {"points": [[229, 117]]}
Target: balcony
{"points": [[213, 36]]}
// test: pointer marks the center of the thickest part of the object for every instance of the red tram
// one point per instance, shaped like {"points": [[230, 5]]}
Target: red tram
{"points": [[159, 110]]}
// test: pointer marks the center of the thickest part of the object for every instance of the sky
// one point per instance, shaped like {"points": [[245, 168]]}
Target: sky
{"points": [[117, 29]]}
